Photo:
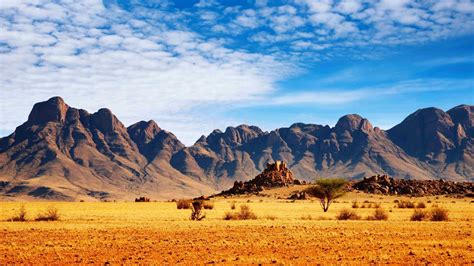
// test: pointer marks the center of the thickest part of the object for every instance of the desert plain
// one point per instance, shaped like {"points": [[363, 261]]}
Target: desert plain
{"points": [[285, 232]]}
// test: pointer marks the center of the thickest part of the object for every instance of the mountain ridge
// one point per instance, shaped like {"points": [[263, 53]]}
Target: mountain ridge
{"points": [[65, 153]]}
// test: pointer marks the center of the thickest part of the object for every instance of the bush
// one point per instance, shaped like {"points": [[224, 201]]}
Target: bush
{"points": [[196, 213], [439, 214], [379, 215], [406, 204], [419, 215], [183, 204], [421, 205], [346, 214], [232, 206], [21, 216], [244, 214], [270, 217], [355, 205], [208, 205], [50, 214]]}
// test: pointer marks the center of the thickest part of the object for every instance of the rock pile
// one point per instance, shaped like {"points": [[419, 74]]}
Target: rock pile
{"points": [[383, 184], [275, 175]]}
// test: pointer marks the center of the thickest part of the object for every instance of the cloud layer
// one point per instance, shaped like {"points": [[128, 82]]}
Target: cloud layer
{"points": [[181, 65]]}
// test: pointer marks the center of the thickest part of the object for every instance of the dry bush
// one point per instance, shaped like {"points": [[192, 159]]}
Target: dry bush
{"points": [[307, 217], [183, 204], [439, 214], [270, 217], [429, 201], [196, 213], [406, 204], [20, 216], [377, 205], [244, 214], [421, 205], [346, 214], [379, 215], [362, 206], [50, 214], [355, 205], [208, 205], [419, 215]]}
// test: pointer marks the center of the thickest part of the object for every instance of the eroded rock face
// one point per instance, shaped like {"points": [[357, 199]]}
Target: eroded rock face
{"points": [[91, 152], [383, 184], [275, 175]]}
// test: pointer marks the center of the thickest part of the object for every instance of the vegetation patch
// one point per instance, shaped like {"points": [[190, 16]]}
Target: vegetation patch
{"points": [[346, 214], [183, 204], [378, 215], [50, 214], [244, 214]]}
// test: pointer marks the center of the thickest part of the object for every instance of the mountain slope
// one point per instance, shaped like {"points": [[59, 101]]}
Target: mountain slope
{"points": [[74, 154], [65, 153]]}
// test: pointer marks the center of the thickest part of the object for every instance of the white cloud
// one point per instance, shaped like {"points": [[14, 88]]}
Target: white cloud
{"points": [[162, 65], [156, 74]]}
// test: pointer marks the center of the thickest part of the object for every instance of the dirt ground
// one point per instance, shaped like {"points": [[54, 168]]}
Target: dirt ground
{"points": [[285, 233]]}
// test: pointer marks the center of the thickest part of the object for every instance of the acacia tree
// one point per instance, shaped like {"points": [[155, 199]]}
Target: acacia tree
{"points": [[326, 190]]}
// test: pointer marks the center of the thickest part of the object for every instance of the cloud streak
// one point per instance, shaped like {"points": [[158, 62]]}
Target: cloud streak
{"points": [[155, 60]]}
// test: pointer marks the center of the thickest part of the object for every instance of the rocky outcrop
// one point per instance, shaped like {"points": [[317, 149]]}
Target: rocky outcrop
{"points": [[65, 153], [383, 184], [275, 175]]}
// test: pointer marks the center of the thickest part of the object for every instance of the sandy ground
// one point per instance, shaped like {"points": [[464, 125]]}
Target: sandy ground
{"points": [[157, 232]]}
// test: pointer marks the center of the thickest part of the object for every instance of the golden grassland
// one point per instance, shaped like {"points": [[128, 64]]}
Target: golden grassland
{"points": [[285, 232]]}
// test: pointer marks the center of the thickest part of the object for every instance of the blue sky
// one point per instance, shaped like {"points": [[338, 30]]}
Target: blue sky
{"points": [[197, 65]]}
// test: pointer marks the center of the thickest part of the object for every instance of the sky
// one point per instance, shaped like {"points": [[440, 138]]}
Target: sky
{"points": [[198, 65]]}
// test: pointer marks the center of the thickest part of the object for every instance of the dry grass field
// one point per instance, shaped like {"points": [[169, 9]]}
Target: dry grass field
{"points": [[285, 232]]}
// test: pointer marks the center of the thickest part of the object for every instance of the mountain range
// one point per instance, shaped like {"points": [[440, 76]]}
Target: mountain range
{"points": [[64, 153]]}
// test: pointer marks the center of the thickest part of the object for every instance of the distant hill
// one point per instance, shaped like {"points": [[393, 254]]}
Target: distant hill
{"points": [[63, 153]]}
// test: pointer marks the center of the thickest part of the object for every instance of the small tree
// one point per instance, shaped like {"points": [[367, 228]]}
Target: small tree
{"points": [[196, 214], [326, 190]]}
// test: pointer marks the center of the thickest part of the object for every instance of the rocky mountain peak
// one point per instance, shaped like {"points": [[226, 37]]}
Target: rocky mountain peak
{"points": [[105, 121], [426, 131], [52, 110], [143, 132], [353, 122], [463, 115]]}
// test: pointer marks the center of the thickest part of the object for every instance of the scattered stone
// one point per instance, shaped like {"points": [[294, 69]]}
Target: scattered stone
{"points": [[383, 184]]}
